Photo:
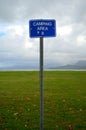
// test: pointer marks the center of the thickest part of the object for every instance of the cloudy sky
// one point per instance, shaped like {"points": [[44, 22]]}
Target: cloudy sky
{"points": [[17, 48]]}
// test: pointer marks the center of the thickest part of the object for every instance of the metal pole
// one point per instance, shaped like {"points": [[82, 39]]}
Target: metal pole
{"points": [[41, 83]]}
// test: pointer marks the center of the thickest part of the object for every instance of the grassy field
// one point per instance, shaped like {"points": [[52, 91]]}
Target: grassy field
{"points": [[64, 100]]}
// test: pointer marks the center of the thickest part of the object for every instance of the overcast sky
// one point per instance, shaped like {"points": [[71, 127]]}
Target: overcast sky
{"points": [[68, 47]]}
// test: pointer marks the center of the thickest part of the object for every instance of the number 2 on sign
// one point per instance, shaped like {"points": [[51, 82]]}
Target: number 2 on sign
{"points": [[42, 33]]}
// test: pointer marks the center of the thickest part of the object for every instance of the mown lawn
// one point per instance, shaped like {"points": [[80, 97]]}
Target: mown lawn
{"points": [[64, 100]]}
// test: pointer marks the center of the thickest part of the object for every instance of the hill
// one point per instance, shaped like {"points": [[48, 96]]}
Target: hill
{"points": [[78, 65]]}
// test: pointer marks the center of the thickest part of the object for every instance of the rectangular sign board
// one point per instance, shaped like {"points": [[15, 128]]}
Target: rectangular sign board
{"points": [[42, 28]]}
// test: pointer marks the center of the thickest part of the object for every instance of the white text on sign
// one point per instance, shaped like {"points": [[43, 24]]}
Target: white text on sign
{"points": [[42, 24]]}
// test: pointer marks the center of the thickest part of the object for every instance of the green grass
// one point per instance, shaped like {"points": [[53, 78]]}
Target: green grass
{"points": [[64, 100]]}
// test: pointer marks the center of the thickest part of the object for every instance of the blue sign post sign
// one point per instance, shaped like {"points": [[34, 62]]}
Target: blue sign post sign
{"points": [[42, 28]]}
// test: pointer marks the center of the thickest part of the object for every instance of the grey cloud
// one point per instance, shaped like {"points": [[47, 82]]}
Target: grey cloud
{"points": [[80, 11], [61, 49], [66, 11], [11, 10]]}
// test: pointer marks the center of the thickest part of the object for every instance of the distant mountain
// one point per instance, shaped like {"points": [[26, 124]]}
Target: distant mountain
{"points": [[78, 65], [81, 63], [18, 68], [22, 66]]}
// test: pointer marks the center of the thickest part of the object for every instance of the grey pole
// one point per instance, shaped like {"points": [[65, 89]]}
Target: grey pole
{"points": [[41, 83]]}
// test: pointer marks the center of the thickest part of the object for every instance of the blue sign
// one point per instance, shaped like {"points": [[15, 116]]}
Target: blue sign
{"points": [[42, 28]]}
